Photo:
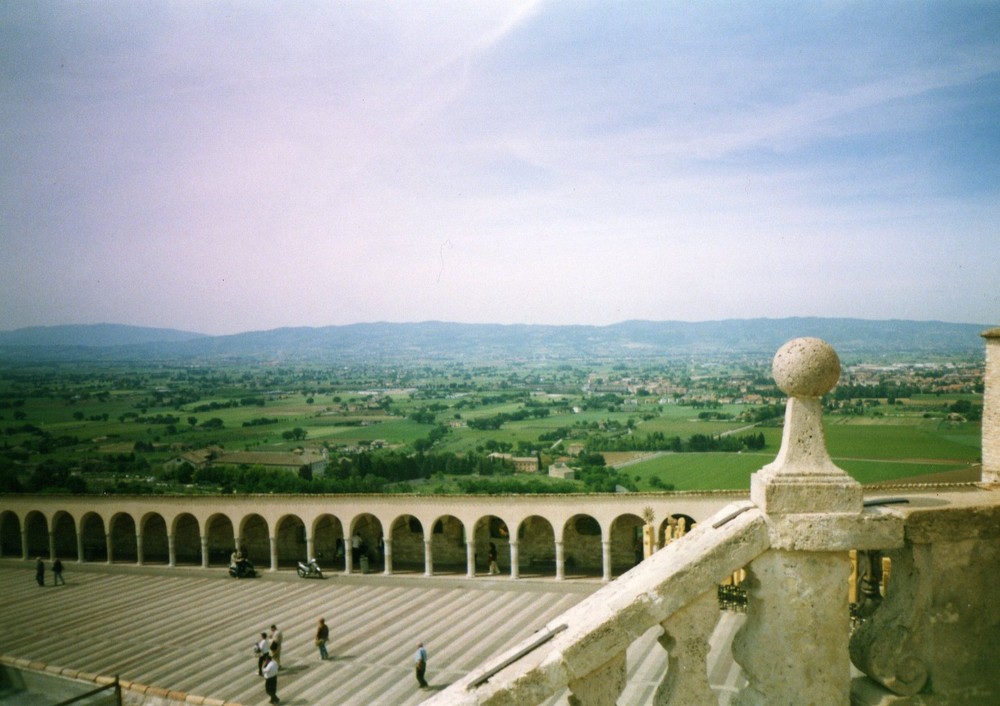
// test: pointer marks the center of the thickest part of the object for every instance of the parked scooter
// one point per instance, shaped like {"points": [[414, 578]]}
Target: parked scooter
{"points": [[310, 570], [242, 569]]}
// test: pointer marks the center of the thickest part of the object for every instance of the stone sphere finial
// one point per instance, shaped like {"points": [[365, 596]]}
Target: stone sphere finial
{"points": [[806, 367]]}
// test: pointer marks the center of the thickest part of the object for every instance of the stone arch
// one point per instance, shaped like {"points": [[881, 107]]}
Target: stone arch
{"points": [[123, 540], [328, 541], [187, 539], [369, 528], [625, 536], [64, 532], [155, 548], [290, 541], [536, 540], [407, 543], [582, 548], [220, 538], [491, 528], [36, 529], [255, 540], [448, 544], [93, 537], [10, 535]]}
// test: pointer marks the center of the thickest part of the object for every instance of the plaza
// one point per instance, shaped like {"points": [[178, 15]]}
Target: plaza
{"points": [[185, 634]]}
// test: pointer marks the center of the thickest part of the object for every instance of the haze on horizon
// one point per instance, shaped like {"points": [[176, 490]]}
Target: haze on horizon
{"points": [[226, 167]]}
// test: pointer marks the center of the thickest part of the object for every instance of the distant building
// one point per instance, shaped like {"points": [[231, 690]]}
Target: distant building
{"points": [[315, 461], [522, 464], [561, 470]]}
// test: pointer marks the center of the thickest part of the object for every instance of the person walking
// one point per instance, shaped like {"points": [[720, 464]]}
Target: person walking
{"points": [[322, 635], [276, 638], [270, 675], [263, 651], [40, 571], [57, 577], [420, 662]]}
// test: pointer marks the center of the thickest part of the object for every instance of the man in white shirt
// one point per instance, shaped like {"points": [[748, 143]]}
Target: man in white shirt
{"points": [[263, 651], [271, 679], [276, 638]]}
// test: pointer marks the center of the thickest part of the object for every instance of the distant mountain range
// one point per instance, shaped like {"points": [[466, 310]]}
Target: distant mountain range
{"points": [[854, 339]]}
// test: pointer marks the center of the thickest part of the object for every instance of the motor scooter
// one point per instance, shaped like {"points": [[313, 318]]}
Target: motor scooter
{"points": [[242, 570], [310, 570]]}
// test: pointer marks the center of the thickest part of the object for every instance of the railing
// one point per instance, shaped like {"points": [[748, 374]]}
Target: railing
{"points": [[930, 641]]}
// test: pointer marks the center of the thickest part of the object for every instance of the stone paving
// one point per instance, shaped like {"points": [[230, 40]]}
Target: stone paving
{"points": [[191, 630]]}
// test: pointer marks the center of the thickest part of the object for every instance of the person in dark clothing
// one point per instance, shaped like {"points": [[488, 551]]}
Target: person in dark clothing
{"points": [[322, 635], [40, 571], [57, 577]]}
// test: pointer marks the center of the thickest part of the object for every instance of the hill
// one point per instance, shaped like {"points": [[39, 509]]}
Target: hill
{"points": [[443, 341]]}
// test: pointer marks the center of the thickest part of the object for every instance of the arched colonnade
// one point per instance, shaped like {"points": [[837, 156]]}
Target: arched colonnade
{"points": [[556, 536]]}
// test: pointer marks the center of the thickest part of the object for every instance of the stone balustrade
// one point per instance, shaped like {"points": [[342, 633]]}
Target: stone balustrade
{"points": [[931, 641]]}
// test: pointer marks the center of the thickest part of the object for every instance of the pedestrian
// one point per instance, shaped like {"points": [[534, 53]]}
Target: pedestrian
{"points": [[322, 635], [276, 638], [263, 651], [57, 577], [494, 569], [420, 659], [270, 675], [355, 548], [40, 571]]}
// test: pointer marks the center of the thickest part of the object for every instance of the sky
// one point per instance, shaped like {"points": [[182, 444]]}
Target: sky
{"points": [[227, 166]]}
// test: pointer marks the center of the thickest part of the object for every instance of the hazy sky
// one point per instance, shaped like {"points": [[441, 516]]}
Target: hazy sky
{"points": [[233, 166]]}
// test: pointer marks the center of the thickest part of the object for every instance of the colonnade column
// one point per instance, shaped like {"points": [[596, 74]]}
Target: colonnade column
{"points": [[309, 547], [560, 562], [24, 543], [52, 545], [79, 547], [428, 558], [348, 557], [171, 551], [606, 559], [204, 551], [138, 549], [515, 560], [273, 541], [470, 559], [387, 548], [109, 542]]}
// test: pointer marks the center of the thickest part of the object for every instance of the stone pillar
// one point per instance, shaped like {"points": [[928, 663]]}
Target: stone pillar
{"points": [[515, 560], [560, 562], [387, 543], [138, 549], [79, 547], [428, 558], [204, 551], [273, 542], [24, 544], [52, 545], [797, 591], [606, 560], [171, 550], [470, 559], [991, 408], [110, 543], [309, 547]]}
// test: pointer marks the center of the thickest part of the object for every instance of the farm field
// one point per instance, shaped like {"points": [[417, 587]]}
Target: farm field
{"points": [[436, 428]]}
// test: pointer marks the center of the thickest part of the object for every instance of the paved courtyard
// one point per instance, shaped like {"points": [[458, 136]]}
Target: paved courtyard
{"points": [[192, 630]]}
